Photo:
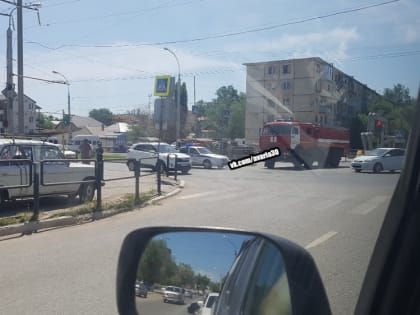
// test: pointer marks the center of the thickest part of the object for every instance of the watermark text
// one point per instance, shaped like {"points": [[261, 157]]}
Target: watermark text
{"points": [[254, 158]]}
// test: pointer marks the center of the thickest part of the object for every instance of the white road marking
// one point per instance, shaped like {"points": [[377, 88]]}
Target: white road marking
{"points": [[321, 239], [198, 195], [327, 204], [371, 204]]}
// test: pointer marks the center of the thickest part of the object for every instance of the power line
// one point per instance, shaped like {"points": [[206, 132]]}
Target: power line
{"points": [[255, 30]]}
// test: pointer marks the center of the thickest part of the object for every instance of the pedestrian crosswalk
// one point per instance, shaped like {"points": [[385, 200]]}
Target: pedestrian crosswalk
{"points": [[357, 205]]}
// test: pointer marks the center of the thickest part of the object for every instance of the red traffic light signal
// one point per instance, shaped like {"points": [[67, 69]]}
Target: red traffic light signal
{"points": [[378, 123]]}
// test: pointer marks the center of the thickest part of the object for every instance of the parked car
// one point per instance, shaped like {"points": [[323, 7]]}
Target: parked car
{"points": [[141, 289], [380, 159], [201, 156], [174, 294], [147, 153], [15, 173], [188, 294], [208, 304]]}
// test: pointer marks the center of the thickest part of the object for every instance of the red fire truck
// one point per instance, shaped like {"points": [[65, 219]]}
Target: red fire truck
{"points": [[304, 143]]}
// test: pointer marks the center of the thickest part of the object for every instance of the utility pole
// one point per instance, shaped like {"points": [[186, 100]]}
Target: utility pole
{"points": [[21, 109], [178, 97]]}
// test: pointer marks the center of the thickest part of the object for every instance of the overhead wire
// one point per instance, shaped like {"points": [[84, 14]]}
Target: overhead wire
{"points": [[231, 34]]}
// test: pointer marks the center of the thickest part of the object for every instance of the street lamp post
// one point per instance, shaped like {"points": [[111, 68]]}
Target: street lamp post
{"points": [[178, 97], [66, 82]]}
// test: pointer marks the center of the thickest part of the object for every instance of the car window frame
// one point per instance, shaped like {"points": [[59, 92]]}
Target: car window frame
{"points": [[391, 283]]}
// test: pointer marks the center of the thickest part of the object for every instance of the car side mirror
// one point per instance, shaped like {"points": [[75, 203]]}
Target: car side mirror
{"points": [[257, 271]]}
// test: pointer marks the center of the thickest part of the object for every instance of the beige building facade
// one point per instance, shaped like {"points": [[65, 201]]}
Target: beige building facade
{"points": [[308, 89], [30, 116]]}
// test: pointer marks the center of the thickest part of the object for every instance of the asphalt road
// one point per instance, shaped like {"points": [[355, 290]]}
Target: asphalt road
{"points": [[155, 305], [335, 213]]}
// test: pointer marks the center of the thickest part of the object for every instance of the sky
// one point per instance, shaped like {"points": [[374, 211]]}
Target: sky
{"points": [[210, 254], [110, 52]]}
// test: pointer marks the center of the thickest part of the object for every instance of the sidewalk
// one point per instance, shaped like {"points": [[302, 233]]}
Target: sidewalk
{"points": [[118, 189]]}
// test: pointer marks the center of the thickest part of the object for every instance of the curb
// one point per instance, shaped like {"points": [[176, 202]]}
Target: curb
{"points": [[28, 228]]}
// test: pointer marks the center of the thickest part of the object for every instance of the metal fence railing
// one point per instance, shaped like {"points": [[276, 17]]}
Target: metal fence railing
{"points": [[35, 175]]}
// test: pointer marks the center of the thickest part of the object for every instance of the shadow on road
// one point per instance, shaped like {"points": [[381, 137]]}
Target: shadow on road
{"points": [[12, 208]]}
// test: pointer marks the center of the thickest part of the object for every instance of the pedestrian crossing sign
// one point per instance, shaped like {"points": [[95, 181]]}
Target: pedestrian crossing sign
{"points": [[162, 85]]}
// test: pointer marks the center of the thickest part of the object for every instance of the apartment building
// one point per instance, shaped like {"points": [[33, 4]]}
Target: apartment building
{"points": [[308, 89], [30, 115]]}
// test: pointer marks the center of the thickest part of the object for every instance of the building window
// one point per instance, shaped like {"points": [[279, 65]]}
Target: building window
{"points": [[329, 87], [31, 119], [286, 85], [286, 101], [316, 118], [31, 105], [271, 70], [318, 68], [270, 103], [286, 69]]}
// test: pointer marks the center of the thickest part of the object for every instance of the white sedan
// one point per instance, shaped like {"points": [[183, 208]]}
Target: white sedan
{"points": [[201, 156], [380, 159]]}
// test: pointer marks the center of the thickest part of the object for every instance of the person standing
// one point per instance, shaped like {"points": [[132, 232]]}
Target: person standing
{"points": [[85, 150]]}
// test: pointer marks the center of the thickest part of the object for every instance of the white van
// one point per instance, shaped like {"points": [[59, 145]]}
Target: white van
{"points": [[78, 139]]}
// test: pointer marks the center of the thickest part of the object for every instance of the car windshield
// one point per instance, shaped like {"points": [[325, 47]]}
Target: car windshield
{"points": [[377, 152], [211, 301], [292, 96], [166, 148], [203, 150]]}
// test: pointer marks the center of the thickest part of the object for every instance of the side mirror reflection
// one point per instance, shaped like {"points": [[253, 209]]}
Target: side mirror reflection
{"points": [[199, 272], [190, 270]]}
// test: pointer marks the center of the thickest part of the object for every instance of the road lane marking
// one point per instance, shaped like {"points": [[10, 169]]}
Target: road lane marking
{"points": [[198, 195], [321, 239], [328, 204], [370, 205]]}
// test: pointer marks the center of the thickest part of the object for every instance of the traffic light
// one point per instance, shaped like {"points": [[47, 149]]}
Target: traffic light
{"points": [[66, 120], [378, 127]]}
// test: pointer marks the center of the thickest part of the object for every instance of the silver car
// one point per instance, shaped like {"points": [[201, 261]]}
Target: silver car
{"points": [[380, 159], [201, 156], [174, 294]]}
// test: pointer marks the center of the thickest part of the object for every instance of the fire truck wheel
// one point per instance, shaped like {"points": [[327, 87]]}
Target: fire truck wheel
{"points": [[269, 164]]}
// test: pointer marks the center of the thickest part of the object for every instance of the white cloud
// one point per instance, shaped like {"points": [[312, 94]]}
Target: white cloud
{"points": [[332, 44]]}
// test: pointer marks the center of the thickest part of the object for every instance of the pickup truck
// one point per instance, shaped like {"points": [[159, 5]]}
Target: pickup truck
{"points": [[17, 159]]}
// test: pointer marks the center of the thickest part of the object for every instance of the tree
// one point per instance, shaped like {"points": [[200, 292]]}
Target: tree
{"points": [[157, 264], [399, 95], [202, 281], [397, 107], [169, 135], [45, 122], [104, 115], [226, 113]]}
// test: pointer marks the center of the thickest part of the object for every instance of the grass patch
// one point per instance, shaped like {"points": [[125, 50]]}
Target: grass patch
{"points": [[18, 218], [110, 156], [125, 203]]}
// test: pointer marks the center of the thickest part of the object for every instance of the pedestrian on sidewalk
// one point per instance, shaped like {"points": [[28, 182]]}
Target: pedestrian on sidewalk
{"points": [[85, 150]]}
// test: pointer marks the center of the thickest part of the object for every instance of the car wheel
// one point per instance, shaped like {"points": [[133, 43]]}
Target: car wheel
{"points": [[131, 165], [207, 164], [357, 171], [377, 168], [2, 197], [184, 171], [87, 192]]}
